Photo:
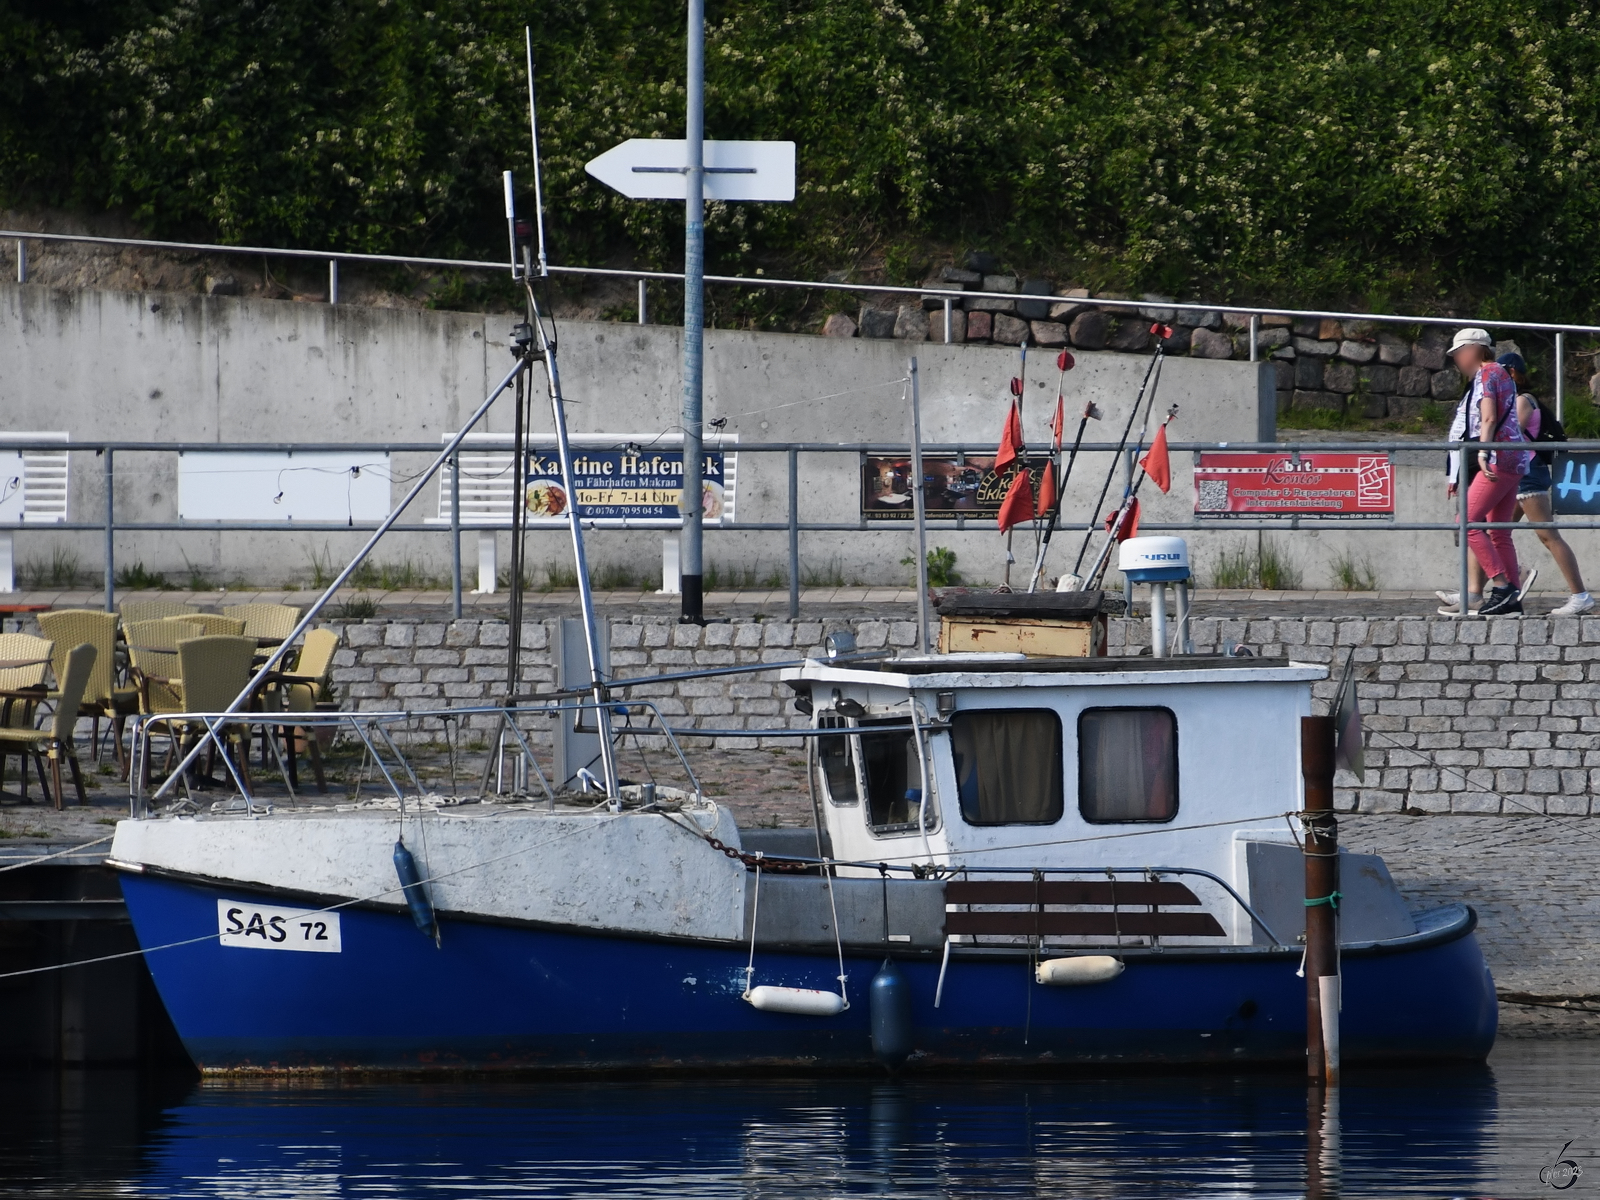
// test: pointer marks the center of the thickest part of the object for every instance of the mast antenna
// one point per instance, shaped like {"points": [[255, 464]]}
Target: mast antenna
{"points": [[533, 129]]}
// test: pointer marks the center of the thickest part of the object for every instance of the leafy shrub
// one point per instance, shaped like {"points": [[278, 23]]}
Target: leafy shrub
{"points": [[1401, 147]]}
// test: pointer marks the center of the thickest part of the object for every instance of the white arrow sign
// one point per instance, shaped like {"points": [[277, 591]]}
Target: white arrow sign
{"points": [[656, 169]]}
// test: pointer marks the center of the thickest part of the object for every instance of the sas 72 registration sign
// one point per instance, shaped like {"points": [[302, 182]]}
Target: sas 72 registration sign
{"points": [[263, 927]]}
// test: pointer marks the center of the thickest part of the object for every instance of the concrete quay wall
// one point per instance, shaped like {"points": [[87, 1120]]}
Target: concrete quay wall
{"points": [[1495, 716]]}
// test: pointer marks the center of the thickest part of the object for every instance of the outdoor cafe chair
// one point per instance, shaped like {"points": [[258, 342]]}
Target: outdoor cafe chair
{"points": [[153, 661], [56, 740], [213, 623], [153, 610], [301, 689], [269, 624], [103, 696], [212, 670], [24, 659]]}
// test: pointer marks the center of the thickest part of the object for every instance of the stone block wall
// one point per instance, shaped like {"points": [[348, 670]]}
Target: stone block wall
{"points": [[1495, 716], [1362, 367], [384, 664]]}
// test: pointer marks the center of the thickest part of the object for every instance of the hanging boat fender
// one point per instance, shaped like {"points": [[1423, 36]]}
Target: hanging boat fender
{"points": [[417, 900], [801, 1002], [1082, 969], [890, 997]]}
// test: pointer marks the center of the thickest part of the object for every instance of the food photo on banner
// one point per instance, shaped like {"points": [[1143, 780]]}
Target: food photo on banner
{"points": [[955, 486], [1350, 486], [626, 484]]}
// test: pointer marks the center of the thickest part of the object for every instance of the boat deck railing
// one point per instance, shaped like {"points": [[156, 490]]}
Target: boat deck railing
{"points": [[374, 732]]}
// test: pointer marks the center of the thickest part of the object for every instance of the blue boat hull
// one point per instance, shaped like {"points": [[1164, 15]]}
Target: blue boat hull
{"points": [[496, 996]]}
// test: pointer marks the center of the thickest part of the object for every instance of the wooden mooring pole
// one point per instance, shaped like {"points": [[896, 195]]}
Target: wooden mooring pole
{"points": [[1322, 901]]}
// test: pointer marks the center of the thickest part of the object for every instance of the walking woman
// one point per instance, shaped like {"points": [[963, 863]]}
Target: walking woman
{"points": [[1533, 493], [1488, 413]]}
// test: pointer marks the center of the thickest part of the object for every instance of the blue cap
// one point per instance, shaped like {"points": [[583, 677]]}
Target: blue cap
{"points": [[1513, 362]]}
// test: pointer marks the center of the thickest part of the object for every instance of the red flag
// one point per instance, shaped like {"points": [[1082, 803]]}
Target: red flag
{"points": [[1060, 421], [1047, 490], [1010, 440], [1130, 523], [1155, 462], [1017, 507]]}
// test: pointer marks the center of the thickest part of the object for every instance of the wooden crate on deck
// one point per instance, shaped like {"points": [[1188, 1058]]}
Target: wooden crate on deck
{"points": [[1040, 624]]}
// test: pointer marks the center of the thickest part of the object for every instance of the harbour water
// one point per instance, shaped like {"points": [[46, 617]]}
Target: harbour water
{"points": [[1485, 1131]]}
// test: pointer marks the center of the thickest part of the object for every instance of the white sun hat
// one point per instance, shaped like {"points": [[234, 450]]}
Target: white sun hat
{"points": [[1471, 337]]}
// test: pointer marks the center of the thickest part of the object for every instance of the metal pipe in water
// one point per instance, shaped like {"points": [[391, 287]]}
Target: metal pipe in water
{"points": [[1322, 901]]}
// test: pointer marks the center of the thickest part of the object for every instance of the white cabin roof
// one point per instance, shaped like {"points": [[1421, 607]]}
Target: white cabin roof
{"points": [[944, 672]]}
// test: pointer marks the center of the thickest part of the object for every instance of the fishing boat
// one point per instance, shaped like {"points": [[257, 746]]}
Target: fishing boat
{"points": [[1017, 862], [1025, 855]]}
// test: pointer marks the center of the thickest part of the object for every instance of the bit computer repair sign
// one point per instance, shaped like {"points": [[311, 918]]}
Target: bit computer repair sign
{"points": [[1287, 485]]}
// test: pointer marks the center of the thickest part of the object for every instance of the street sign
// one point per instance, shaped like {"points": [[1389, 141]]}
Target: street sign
{"points": [[657, 169]]}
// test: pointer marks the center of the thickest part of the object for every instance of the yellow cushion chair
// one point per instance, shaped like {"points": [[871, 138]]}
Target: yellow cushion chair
{"points": [[56, 740]]}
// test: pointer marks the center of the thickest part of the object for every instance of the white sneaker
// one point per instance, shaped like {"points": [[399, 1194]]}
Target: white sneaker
{"points": [[1527, 584], [1449, 597], [1454, 610], [1575, 606]]}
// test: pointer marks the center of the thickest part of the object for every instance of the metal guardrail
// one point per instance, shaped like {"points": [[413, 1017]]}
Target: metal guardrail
{"points": [[949, 297], [793, 526]]}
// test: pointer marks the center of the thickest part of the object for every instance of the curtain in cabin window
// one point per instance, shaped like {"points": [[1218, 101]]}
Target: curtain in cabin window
{"points": [[1127, 764], [1008, 766]]}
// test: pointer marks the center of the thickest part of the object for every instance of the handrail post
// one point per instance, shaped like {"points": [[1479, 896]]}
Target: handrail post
{"points": [[455, 535], [947, 321], [22, 261], [111, 526], [333, 281], [1461, 517], [794, 534], [644, 317], [1255, 337], [1561, 372]]}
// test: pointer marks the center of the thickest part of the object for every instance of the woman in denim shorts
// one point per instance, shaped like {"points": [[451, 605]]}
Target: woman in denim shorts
{"points": [[1533, 494]]}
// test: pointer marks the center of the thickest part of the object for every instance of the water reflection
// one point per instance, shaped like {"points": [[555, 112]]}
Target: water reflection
{"points": [[1479, 1132]]}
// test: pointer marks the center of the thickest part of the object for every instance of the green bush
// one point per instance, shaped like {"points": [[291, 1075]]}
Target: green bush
{"points": [[1398, 149]]}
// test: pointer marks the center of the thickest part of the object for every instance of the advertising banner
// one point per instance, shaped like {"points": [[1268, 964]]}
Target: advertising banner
{"points": [[1577, 484], [625, 485], [1280, 485], [955, 486]]}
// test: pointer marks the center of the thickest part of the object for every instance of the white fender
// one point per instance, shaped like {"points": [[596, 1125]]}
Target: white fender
{"points": [[1072, 972], [804, 1002]]}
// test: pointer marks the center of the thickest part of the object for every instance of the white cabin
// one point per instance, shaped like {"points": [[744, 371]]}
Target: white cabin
{"points": [[1054, 763]]}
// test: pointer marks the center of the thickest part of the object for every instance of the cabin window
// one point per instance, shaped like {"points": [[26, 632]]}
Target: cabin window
{"points": [[894, 781], [1127, 764], [833, 753], [1008, 765]]}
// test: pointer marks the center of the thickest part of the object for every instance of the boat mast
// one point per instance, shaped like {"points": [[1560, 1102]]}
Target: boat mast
{"points": [[535, 340]]}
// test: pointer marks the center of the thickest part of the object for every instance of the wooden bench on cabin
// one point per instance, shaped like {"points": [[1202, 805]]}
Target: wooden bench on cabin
{"points": [[1033, 908]]}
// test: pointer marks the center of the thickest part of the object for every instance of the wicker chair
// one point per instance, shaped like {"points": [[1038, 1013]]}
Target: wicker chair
{"points": [[265, 622], [153, 610], [301, 689], [153, 661], [16, 712], [212, 671], [213, 623], [56, 741], [104, 696]]}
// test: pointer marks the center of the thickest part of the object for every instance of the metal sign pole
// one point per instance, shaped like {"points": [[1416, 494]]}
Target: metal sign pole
{"points": [[694, 238]]}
